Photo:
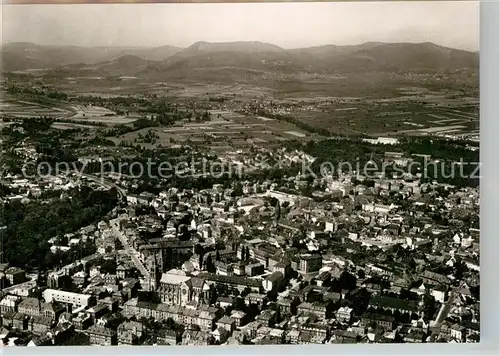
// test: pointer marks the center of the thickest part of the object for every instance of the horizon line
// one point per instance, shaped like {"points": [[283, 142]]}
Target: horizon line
{"points": [[229, 42]]}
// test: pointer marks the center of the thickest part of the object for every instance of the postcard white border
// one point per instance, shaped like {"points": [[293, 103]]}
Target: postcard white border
{"points": [[490, 246]]}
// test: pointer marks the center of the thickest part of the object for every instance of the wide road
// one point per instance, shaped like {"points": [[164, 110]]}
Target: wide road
{"points": [[132, 252], [442, 315]]}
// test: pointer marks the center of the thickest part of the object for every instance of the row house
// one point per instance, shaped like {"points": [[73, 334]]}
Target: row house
{"points": [[385, 322], [34, 307], [99, 335], [320, 331], [318, 309], [393, 304], [205, 317]]}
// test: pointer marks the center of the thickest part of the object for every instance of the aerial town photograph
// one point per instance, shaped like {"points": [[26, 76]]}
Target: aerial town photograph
{"points": [[239, 174]]}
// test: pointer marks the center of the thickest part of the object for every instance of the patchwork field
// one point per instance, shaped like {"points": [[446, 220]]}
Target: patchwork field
{"points": [[353, 105], [226, 130], [63, 111], [436, 113], [26, 109]]}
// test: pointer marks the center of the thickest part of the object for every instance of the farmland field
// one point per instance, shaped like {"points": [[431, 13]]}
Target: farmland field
{"points": [[371, 105], [227, 129]]}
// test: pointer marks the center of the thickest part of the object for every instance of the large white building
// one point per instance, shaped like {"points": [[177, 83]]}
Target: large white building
{"points": [[75, 299]]}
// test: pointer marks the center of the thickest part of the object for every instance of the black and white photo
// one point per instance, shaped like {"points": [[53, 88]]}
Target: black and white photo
{"points": [[240, 174]]}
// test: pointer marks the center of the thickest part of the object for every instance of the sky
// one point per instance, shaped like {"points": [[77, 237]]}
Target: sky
{"points": [[289, 25]]}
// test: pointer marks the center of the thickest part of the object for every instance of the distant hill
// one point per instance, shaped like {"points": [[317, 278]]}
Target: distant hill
{"points": [[12, 61], [154, 53], [239, 60], [22, 56], [201, 47], [230, 55], [388, 57], [127, 65]]}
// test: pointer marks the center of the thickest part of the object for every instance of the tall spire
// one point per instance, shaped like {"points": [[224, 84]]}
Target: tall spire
{"points": [[154, 274]]}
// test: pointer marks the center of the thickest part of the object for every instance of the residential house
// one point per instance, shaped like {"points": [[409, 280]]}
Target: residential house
{"points": [[9, 304], [310, 263], [316, 308], [385, 322], [239, 317], [40, 325], [58, 279], [82, 321], [197, 338], [20, 321], [284, 306], [123, 271], [227, 322], [98, 311], [80, 278], [343, 337], [224, 302], [458, 332], [267, 317], [254, 269], [15, 275], [131, 333], [256, 298], [168, 337], [323, 278], [52, 310], [344, 314], [111, 303], [273, 282], [220, 335], [320, 332], [42, 340], [284, 267], [30, 306], [62, 332], [415, 336], [102, 336]]}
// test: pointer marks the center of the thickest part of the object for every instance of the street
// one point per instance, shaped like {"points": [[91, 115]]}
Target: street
{"points": [[130, 250], [442, 315]]}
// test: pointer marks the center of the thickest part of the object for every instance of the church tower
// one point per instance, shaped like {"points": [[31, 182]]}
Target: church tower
{"points": [[155, 275]]}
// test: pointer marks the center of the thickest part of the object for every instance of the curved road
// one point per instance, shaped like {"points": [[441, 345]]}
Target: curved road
{"points": [[105, 183]]}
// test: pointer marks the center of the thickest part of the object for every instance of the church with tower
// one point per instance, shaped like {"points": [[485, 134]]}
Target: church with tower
{"points": [[177, 288]]}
